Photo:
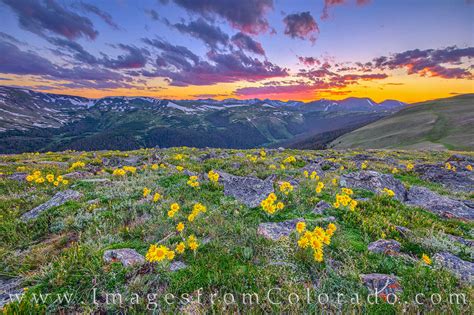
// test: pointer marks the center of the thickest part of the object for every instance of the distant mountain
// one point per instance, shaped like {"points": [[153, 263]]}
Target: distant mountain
{"points": [[443, 123], [35, 121]]}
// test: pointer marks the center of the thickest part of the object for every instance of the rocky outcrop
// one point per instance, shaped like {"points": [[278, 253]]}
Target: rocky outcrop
{"points": [[321, 206], [276, 230], [461, 181], [440, 205], [381, 284], [375, 182], [59, 199], [248, 190], [462, 269], [127, 256], [388, 247]]}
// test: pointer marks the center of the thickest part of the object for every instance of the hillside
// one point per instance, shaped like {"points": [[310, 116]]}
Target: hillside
{"points": [[93, 231], [34, 121], [437, 124]]}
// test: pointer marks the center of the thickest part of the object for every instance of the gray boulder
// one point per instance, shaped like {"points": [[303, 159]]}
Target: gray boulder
{"points": [[462, 269], [248, 190], [375, 182], [388, 247], [440, 205], [59, 199], [276, 230], [461, 180], [127, 256]]}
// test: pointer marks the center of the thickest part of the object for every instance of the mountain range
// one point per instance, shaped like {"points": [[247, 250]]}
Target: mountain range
{"points": [[36, 121]]}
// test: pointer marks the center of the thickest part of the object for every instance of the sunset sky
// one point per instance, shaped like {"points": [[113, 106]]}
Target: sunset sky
{"points": [[279, 49]]}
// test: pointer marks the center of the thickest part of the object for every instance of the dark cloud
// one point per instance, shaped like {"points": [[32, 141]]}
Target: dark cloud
{"points": [[331, 3], [41, 17], [153, 14], [211, 35], [429, 62], [134, 58], [18, 62], [248, 16], [106, 17], [181, 67], [78, 52], [245, 42], [309, 61], [301, 25]]}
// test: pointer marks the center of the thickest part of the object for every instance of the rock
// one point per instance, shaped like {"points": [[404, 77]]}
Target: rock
{"points": [[405, 232], [95, 180], [276, 230], [248, 190], [461, 240], [382, 285], [388, 247], [462, 269], [7, 287], [321, 206], [440, 205], [78, 175], [325, 219], [457, 181], [177, 265], [236, 165], [190, 173], [126, 256], [18, 176], [375, 182], [460, 158], [59, 199]]}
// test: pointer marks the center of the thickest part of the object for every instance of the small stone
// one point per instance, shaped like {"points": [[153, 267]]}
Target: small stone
{"points": [[78, 175], [59, 199], [380, 284], [126, 256], [321, 206], [405, 232], [177, 265], [18, 176], [276, 230], [388, 247], [462, 269]]}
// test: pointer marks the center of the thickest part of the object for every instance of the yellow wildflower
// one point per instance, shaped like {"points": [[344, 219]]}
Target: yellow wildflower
{"points": [[426, 259], [180, 227], [300, 227]]}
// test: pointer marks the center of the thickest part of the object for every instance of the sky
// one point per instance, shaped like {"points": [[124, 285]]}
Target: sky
{"points": [[409, 50]]}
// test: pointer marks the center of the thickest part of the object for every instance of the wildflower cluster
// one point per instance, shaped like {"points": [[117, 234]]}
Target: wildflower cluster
{"points": [[213, 176], [312, 176], [388, 192], [179, 168], [286, 187], [290, 159], [319, 187], [316, 239], [269, 204], [193, 181], [263, 154], [173, 209], [469, 167], [344, 199], [77, 165], [178, 157], [159, 253], [364, 165], [197, 209], [38, 178], [410, 166], [124, 170], [450, 167], [394, 170]]}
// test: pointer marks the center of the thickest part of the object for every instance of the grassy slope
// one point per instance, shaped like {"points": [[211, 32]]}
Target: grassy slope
{"points": [[438, 124], [62, 250]]}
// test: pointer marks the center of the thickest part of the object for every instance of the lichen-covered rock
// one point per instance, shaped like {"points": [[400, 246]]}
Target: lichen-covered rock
{"points": [[440, 205], [248, 190], [388, 247], [381, 284], [177, 265], [59, 199], [18, 176], [78, 175], [461, 180], [462, 269], [321, 206], [375, 182], [127, 256], [276, 230]]}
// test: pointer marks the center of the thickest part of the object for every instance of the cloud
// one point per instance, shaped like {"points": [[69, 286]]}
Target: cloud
{"points": [[245, 42], [181, 67], [248, 16], [301, 25], [211, 35], [331, 3], [78, 52], [429, 62], [135, 58], [309, 61], [41, 17], [106, 17]]}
